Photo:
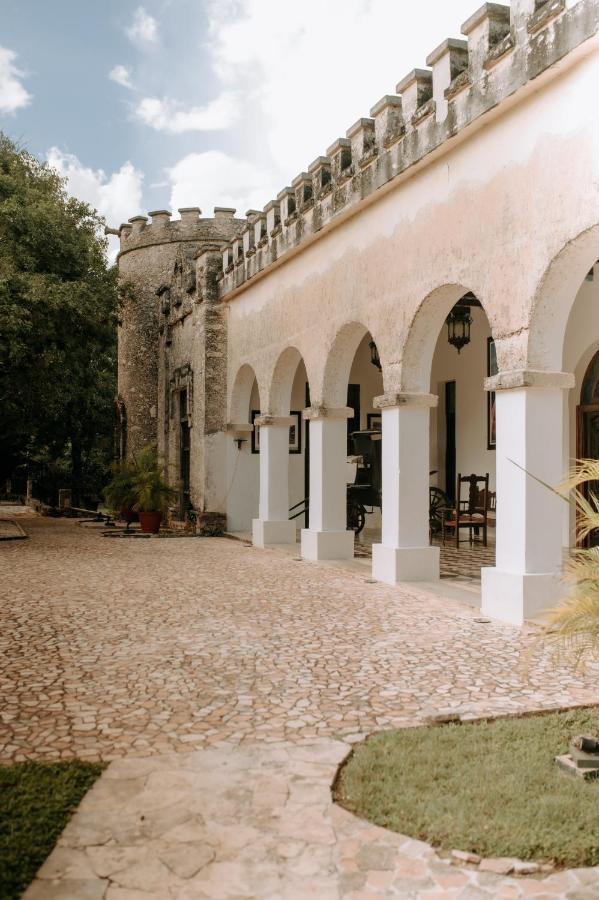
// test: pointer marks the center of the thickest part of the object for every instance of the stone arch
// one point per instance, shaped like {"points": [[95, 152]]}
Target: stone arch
{"points": [[339, 359], [555, 298], [414, 371], [239, 407], [281, 383]]}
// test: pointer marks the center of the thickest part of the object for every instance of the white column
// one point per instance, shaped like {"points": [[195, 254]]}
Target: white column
{"points": [[529, 415], [273, 525], [404, 553], [328, 537]]}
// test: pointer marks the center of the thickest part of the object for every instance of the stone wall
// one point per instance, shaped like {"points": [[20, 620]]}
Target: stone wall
{"points": [[158, 260]]}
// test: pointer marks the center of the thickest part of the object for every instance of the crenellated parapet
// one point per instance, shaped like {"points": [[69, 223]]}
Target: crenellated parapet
{"points": [[159, 227], [505, 48]]}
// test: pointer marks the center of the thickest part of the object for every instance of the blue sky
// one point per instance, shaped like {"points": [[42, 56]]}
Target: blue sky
{"points": [[174, 103]]}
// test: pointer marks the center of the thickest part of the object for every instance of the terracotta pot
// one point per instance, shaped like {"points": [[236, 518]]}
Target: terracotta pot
{"points": [[150, 522], [128, 515]]}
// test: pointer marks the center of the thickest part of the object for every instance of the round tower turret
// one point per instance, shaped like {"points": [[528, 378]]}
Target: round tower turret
{"points": [[148, 259]]}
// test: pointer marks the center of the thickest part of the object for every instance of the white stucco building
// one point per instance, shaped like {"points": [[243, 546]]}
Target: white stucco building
{"points": [[478, 179]]}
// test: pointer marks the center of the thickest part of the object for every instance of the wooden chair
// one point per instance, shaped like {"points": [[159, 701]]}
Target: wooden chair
{"points": [[491, 506], [470, 512]]}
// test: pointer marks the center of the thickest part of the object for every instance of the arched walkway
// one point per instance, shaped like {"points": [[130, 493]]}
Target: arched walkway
{"points": [[405, 553], [280, 430], [555, 298], [530, 410], [242, 461], [340, 407], [239, 406]]}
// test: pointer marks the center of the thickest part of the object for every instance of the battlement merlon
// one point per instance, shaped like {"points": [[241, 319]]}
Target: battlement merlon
{"points": [[138, 232], [506, 48]]}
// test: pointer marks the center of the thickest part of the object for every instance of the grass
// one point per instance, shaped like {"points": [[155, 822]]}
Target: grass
{"points": [[490, 788], [36, 802]]}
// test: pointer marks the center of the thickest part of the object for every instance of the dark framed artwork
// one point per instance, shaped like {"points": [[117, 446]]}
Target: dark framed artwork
{"points": [[492, 369], [374, 422], [295, 432]]}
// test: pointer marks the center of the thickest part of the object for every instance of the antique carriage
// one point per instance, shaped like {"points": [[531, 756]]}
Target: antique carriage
{"points": [[364, 495]]}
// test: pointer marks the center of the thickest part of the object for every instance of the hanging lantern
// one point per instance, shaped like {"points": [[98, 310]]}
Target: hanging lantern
{"points": [[458, 322], [374, 356]]}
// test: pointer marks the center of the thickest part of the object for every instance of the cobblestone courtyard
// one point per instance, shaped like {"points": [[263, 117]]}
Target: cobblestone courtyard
{"points": [[139, 647], [267, 668]]}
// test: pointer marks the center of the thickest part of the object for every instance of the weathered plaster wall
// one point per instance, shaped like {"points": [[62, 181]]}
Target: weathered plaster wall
{"points": [[490, 217]]}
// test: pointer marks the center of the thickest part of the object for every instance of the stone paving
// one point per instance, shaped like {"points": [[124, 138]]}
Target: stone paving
{"points": [[243, 661], [136, 647], [254, 823]]}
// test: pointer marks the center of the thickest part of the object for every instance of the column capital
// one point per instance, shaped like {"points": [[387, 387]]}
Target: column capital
{"points": [[267, 421], [529, 378], [325, 412], [404, 398]]}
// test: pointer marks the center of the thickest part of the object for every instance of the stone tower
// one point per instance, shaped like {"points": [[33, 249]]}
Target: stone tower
{"points": [[172, 341]]}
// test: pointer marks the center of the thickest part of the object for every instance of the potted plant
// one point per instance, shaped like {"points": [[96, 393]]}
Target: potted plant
{"points": [[120, 493], [151, 490]]}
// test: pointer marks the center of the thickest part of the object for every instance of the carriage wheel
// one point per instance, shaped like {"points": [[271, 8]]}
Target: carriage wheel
{"points": [[356, 517]]}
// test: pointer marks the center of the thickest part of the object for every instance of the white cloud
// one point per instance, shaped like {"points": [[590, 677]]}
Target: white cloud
{"points": [[122, 76], [13, 95], [117, 197], [144, 28], [167, 115], [313, 68], [214, 179]]}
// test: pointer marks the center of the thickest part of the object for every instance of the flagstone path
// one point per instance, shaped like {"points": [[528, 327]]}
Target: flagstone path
{"points": [[226, 654], [256, 823]]}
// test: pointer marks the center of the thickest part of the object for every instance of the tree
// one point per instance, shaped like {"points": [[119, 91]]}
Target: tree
{"points": [[58, 313]]}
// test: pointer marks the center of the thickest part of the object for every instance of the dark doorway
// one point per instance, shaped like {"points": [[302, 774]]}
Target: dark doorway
{"points": [[307, 460], [587, 430], [450, 452], [353, 424], [184, 455]]}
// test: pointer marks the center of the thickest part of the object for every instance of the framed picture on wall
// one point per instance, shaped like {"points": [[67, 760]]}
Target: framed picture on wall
{"points": [[374, 422], [491, 370], [295, 432]]}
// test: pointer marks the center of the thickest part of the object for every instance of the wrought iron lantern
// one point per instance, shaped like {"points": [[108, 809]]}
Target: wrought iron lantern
{"points": [[458, 323], [374, 356]]}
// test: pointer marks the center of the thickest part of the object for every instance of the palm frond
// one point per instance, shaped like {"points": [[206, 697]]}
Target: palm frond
{"points": [[572, 630]]}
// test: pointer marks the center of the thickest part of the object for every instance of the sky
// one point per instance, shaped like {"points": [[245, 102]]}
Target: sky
{"points": [[173, 103]]}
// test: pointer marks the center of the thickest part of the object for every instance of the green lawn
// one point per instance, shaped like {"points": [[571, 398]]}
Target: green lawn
{"points": [[490, 788], [36, 802]]}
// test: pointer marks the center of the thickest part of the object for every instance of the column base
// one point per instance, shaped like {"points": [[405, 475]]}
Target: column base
{"points": [[513, 597], [327, 544], [393, 564], [267, 532]]}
